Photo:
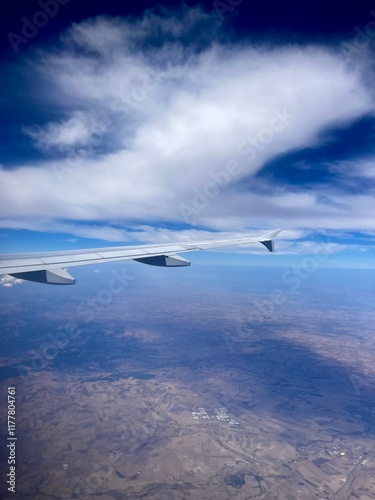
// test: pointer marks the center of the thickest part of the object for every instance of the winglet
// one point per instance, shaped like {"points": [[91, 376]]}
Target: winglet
{"points": [[269, 244], [267, 240]]}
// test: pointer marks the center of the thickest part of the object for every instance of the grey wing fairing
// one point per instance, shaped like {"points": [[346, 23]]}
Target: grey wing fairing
{"points": [[50, 267]]}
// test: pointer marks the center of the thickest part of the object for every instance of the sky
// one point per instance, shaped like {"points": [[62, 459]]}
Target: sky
{"points": [[138, 122]]}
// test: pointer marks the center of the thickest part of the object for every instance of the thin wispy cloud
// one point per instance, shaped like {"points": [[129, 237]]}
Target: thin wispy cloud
{"points": [[73, 132]]}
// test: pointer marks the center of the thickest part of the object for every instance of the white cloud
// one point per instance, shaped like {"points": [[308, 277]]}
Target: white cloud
{"points": [[75, 131], [157, 122], [352, 170], [8, 281]]}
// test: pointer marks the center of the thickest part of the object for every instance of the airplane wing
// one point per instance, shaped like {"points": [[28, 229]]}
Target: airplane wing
{"points": [[48, 267]]}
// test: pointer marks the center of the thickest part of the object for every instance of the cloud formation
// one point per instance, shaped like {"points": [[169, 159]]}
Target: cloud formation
{"points": [[75, 131], [149, 125], [8, 281]]}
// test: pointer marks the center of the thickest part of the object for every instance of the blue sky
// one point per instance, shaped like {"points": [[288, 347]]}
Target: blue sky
{"points": [[128, 122]]}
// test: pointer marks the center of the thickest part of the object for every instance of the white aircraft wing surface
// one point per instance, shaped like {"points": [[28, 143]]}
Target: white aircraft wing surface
{"points": [[50, 267]]}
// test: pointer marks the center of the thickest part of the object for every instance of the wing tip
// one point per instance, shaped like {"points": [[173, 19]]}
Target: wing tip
{"points": [[267, 239], [269, 244]]}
